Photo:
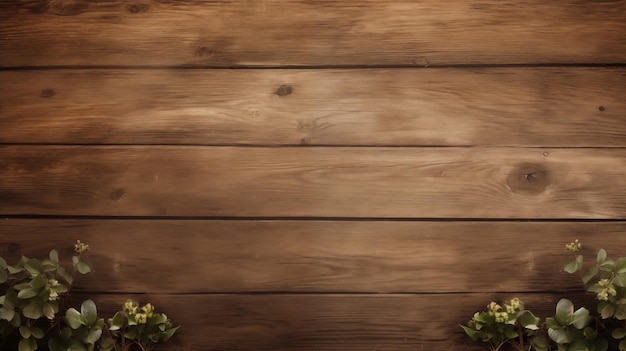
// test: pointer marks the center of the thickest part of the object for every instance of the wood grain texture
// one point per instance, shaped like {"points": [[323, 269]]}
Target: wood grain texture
{"points": [[514, 106], [219, 256], [325, 322], [287, 33], [313, 182]]}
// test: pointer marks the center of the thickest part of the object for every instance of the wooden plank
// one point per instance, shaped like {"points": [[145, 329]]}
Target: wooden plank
{"points": [[490, 106], [338, 33], [313, 182], [325, 322], [172, 256]]}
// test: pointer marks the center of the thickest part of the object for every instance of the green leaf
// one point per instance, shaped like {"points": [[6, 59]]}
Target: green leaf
{"points": [[116, 322], [618, 333], [25, 332], [89, 312], [578, 345], [529, 320], [27, 345], [606, 309], [38, 283], [27, 293], [15, 270], [92, 336], [37, 333], [590, 333], [575, 265], [76, 345], [619, 280], [590, 274], [539, 344], [564, 312], [552, 323], [3, 264], [33, 267], [73, 318], [559, 336], [107, 344], [48, 311], [32, 310], [54, 256], [82, 267], [21, 286], [510, 332], [581, 318], [7, 313], [620, 265], [3, 276], [131, 333], [601, 257], [622, 345], [16, 321], [63, 273], [169, 333]]}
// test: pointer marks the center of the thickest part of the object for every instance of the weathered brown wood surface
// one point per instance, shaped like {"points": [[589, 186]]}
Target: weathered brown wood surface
{"points": [[514, 106], [315, 175], [313, 182], [222, 256], [288, 33]]}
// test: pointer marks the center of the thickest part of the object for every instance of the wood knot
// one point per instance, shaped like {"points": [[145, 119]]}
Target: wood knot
{"points": [[47, 93], [204, 51], [601, 108], [13, 248], [529, 179], [284, 90], [138, 8]]}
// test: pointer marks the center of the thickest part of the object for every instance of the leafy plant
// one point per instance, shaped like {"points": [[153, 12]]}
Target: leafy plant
{"points": [[601, 329], [30, 306]]}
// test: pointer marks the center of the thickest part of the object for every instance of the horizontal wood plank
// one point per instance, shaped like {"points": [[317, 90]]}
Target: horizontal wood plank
{"points": [[313, 182], [325, 322], [337, 33], [448, 107], [173, 256]]}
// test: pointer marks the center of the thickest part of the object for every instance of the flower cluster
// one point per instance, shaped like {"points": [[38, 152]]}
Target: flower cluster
{"points": [[131, 308], [80, 247], [574, 246], [608, 289]]}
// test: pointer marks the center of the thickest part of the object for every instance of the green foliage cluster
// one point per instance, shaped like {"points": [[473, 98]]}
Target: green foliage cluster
{"points": [[569, 329], [29, 311]]}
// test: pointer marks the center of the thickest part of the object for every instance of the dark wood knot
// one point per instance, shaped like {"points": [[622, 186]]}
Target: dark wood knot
{"points": [[529, 178]]}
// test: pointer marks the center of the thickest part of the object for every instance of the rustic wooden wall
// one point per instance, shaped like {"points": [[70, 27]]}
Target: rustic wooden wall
{"points": [[315, 175]]}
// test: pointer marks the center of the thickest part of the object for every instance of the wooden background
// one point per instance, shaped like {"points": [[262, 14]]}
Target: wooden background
{"points": [[315, 175]]}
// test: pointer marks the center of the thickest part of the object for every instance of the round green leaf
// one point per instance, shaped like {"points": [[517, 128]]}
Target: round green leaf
{"points": [[73, 318], [48, 311], [7, 313], [25, 332], [27, 345], [618, 333], [37, 333], [89, 312], [564, 312], [32, 310]]}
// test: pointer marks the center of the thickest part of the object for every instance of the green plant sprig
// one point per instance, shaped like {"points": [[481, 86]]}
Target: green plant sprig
{"points": [[569, 329], [30, 311]]}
